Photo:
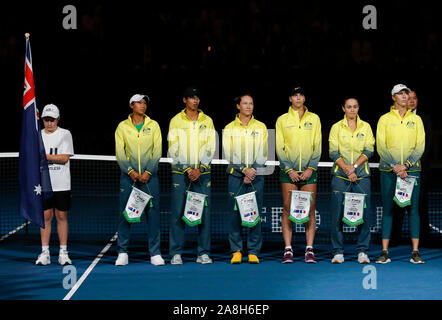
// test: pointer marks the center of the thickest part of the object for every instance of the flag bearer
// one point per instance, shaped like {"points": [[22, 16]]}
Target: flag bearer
{"points": [[59, 149]]}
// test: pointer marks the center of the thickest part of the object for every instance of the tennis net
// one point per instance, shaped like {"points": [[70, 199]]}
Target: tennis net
{"points": [[95, 209]]}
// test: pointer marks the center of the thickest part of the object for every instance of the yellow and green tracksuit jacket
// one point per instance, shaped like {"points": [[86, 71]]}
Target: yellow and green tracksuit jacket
{"points": [[349, 146], [245, 146], [298, 142], [139, 151], [191, 143], [400, 140]]}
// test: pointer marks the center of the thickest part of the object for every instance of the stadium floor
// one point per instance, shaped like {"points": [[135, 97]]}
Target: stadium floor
{"points": [[270, 280]]}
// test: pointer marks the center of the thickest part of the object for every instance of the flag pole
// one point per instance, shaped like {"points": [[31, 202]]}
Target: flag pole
{"points": [[27, 35]]}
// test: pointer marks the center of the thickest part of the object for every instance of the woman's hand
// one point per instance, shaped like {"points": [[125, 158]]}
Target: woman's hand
{"points": [[134, 175], [294, 176], [348, 169], [352, 177], [194, 174], [403, 174], [144, 178], [306, 174], [247, 180], [398, 168], [250, 173]]}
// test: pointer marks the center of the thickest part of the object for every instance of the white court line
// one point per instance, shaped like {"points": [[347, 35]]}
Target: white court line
{"points": [[92, 266], [14, 231], [435, 228]]}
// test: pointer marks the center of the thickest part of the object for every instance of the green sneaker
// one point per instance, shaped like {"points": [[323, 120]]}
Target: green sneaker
{"points": [[416, 258], [383, 258]]}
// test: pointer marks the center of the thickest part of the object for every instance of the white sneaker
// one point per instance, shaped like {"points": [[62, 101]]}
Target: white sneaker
{"points": [[157, 260], [44, 258], [122, 259], [63, 258], [338, 258], [176, 259], [204, 259], [363, 258]]}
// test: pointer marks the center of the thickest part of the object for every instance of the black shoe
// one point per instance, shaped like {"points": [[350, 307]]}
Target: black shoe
{"points": [[416, 258], [383, 258]]}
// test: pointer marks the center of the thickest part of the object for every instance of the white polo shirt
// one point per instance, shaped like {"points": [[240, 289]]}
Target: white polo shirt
{"points": [[59, 142]]}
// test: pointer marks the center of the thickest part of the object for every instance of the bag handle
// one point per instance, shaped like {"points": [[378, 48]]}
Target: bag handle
{"points": [[148, 189], [235, 208], [240, 187], [357, 184], [190, 183]]}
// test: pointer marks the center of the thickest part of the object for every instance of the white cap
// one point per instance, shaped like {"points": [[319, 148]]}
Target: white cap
{"points": [[137, 98], [50, 110], [398, 88]]}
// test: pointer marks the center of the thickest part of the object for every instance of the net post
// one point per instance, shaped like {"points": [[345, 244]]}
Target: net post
{"points": [[28, 241]]}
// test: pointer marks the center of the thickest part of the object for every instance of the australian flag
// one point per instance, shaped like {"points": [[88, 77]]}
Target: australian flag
{"points": [[34, 180]]}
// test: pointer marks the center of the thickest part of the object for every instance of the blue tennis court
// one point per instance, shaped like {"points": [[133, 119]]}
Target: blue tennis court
{"points": [[270, 280], [92, 226]]}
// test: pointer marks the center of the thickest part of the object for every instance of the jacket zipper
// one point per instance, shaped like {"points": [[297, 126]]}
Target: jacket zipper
{"points": [[247, 148]]}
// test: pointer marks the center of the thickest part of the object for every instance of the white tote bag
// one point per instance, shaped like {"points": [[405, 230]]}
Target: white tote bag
{"points": [[248, 209], [300, 206], [354, 204], [135, 205], [404, 190], [193, 211]]}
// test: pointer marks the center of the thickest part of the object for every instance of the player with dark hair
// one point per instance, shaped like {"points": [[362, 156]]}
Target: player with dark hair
{"points": [[245, 147], [192, 146], [138, 152], [298, 146], [351, 144]]}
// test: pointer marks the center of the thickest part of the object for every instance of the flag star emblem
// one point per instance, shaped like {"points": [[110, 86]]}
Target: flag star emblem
{"points": [[37, 190]]}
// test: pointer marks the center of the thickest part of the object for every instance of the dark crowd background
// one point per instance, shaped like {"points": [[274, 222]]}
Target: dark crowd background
{"points": [[224, 48]]}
